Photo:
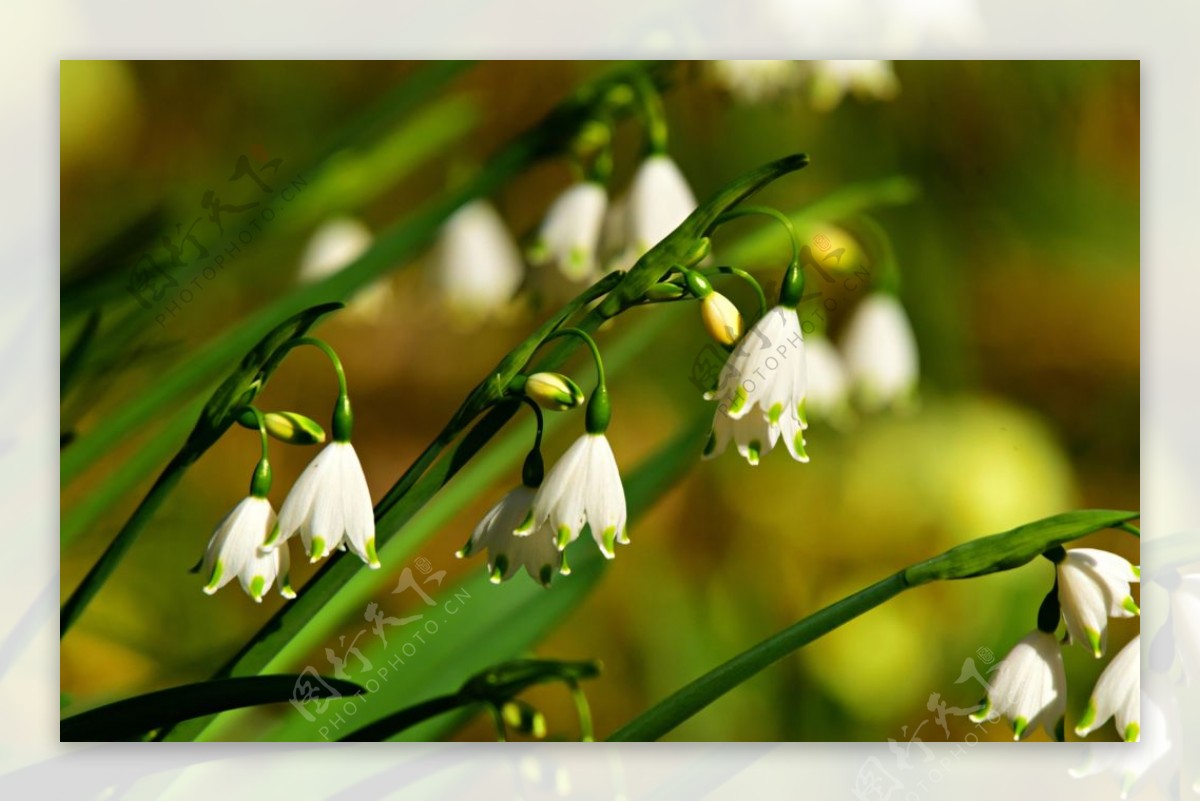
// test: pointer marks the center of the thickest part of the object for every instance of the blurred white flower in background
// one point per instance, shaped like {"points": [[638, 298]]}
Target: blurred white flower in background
{"points": [[476, 266], [827, 394], [756, 80], [569, 237], [880, 353], [659, 200], [335, 245], [866, 80]]}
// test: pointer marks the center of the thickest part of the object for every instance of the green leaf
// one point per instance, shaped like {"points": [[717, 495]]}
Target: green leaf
{"points": [[994, 553], [1015, 547], [132, 718], [241, 387]]}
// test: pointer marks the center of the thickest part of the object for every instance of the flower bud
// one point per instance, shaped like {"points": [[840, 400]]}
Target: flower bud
{"points": [[721, 318], [664, 291], [287, 427], [294, 428], [553, 391]]}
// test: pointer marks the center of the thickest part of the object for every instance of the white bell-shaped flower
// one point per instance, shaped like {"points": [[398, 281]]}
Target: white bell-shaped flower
{"points": [[659, 200], [476, 266], [235, 550], [1117, 694], [1093, 586], [507, 551], [330, 506], [583, 488], [570, 233], [1029, 687], [763, 383], [880, 352]]}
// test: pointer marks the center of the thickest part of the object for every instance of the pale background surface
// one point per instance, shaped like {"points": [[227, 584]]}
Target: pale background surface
{"points": [[32, 765]]}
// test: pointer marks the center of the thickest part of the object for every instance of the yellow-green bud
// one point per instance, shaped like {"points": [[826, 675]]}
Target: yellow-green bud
{"points": [[287, 427], [294, 428], [721, 318], [553, 391]]}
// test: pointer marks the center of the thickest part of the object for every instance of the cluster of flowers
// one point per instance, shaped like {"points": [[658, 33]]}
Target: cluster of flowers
{"points": [[478, 267], [1030, 685], [329, 506]]}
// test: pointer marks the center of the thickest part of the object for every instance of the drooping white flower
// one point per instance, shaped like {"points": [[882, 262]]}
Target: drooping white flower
{"points": [[659, 200], [880, 352], [477, 267], [508, 551], [826, 393], [754, 436], [1117, 694], [765, 380], [833, 80], [332, 247], [235, 550], [756, 80], [330, 506], [1093, 585], [583, 487], [1029, 687], [570, 233]]}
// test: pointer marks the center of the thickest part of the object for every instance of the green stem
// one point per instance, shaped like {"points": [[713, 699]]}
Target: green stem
{"points": [[653, 115], [695, 696], [534, 469], [774, 214], [327, 349], [744, 276], [590, 343], [586, 729], [1131, 529], [401, 720]]}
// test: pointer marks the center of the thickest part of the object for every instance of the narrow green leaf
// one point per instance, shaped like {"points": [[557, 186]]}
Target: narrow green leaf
{"points": [[1015, 547], [1000, 552], [131, 718]]}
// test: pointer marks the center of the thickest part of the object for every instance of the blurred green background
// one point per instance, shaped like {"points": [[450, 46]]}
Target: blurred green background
{"points": [[1019, 255]]}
